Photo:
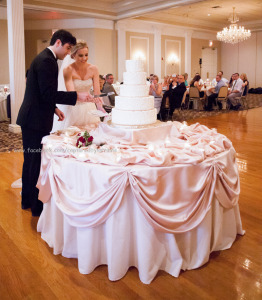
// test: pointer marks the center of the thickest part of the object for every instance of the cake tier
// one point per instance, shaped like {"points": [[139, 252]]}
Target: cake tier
{"points": [[133, 118], [134, 90], [134, 78], [134, 66], [133, 103]]}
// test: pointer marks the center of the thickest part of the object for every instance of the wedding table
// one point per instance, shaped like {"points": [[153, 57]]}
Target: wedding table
{"points": [[161, 205]]}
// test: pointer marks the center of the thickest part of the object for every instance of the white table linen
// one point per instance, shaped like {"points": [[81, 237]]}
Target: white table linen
{"points": [[164, 207], [3, 108]]}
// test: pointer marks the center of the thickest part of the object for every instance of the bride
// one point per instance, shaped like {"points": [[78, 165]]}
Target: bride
{"points": [[76, 74]]}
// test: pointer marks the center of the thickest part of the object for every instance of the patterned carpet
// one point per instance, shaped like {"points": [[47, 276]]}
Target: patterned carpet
{"points": [[9, 141], [13, 142]]}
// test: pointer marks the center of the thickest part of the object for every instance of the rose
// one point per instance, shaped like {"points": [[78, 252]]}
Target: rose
{"points": [[84, 139]]}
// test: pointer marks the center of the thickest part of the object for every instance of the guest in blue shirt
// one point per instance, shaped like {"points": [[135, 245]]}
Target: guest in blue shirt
{"points": [[215, 90]]}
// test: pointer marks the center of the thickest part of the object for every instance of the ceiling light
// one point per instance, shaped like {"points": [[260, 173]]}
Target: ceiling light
{"points": [[233, 34]]}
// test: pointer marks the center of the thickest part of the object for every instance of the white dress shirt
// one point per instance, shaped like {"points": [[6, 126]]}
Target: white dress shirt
{"points": [[201, 81], [214, 82], [237, 85]]}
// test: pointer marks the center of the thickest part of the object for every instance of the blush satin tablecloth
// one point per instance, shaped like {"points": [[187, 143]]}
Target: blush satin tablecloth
{"points": [[160, 206]]}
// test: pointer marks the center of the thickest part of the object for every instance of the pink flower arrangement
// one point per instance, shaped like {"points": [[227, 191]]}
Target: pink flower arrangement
{"points": [[84, 139]]}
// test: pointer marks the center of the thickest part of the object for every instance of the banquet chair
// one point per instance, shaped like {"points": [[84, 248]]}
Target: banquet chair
{"points": [[194, 97], [242, 100], [222, 97], [107, 106], [164, 111]]}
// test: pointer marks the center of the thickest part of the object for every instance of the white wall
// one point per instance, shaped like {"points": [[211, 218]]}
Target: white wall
{"points": [[244, 57]]}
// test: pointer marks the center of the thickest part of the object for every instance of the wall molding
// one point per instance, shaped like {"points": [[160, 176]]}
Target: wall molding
{"points": [[171, 30], [147, 50], [69, 24], [179, 43]]}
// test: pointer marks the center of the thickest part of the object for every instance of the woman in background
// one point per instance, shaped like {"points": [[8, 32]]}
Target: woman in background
{"points": [[156, 91], [230, 83], [101, 82], [186, 77], [195, 82], [165, 84], [245, 84]]}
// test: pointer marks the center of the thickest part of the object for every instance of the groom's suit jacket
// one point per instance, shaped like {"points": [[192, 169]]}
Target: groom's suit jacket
{"points": [[176, 95], [41, 95]]}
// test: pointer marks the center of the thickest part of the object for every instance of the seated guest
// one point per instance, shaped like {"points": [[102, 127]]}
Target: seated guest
{"points": [[215, 91], [177, 94], [172, 85], [151, 78], [196, 82], [245, 84], [235, 91], [186, 77], [155, 87], [201, 81], [156, 91], [108, 88], [214, 81], [231, 80], [165, 84], [101, 82]]}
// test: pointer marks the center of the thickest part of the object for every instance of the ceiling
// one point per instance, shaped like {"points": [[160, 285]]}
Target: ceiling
{"points": [[205, 14]]}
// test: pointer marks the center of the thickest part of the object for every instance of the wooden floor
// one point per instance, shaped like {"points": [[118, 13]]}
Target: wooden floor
{"points": [[29, 270]]}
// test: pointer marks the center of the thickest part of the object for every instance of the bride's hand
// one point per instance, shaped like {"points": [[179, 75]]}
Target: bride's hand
{"points": [[99, 100], [99, 104], [84, 97]]}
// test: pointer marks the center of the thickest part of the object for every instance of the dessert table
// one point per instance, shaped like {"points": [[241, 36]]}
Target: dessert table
{"points": [[157, 198]]}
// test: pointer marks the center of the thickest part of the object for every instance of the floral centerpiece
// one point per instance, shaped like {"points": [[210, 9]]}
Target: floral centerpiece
{"points": [[84, 139]]}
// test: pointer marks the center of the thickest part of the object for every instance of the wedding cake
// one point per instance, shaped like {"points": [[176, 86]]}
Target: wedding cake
{"points": [[134, 106]]}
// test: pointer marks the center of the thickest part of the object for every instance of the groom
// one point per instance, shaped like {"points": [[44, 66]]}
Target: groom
{"points": [[37, 111]]}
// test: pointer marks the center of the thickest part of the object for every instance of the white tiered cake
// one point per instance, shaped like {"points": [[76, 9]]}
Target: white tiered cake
{"points": [[134, 106]]}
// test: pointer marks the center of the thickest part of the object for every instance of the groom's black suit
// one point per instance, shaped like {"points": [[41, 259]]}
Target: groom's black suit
{"points": [[36, 120]]}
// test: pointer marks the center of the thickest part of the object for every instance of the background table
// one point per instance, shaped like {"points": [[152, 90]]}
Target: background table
{"points": [[166, 211], [3, 107]]}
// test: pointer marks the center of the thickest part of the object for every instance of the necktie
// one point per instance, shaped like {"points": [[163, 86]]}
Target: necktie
{"points": [[234, 83]]}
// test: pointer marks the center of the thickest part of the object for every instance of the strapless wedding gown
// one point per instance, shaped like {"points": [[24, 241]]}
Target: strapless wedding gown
{"points": [[81, 113]]}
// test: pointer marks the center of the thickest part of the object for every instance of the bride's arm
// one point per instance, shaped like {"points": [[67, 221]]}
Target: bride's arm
{"points": [[68, 79], [96, 85]]}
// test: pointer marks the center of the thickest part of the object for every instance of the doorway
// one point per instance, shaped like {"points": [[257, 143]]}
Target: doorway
{"points": [[209, 63]]}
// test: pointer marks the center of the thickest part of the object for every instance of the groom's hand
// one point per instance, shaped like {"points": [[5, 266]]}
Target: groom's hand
{"points": [[60, 114], [84, 97]]}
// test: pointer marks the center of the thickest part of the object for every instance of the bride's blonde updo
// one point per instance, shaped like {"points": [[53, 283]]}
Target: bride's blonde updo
{"points": [[79, 45]]}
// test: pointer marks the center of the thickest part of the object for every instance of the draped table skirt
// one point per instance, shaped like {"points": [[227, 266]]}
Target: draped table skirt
{"points": [[154, 217], [126, 239]]}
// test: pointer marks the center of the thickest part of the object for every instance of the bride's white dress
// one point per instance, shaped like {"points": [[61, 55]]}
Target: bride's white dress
{"points": [[81, 113]]}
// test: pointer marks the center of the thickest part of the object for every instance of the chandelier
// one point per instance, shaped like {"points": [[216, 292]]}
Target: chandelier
{"points": [[233, 34]]}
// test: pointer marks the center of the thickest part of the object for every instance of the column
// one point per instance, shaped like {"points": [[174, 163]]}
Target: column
{"points": [[121, 44], [16, 49], [157, 52], [188, 36]]}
